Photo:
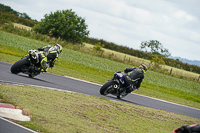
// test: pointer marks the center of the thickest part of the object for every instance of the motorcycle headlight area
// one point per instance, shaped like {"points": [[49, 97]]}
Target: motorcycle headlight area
{"points": [[34, 55]]}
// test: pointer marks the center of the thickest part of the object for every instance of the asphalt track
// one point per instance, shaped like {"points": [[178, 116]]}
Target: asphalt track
{"points": [[7, 126], [52, 81]]}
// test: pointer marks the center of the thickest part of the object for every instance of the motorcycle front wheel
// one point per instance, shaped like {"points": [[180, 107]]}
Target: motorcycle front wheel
{"points": [[17, 66], [107, 88]]}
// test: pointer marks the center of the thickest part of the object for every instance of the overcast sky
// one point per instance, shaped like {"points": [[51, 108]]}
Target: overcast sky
{"points": [[174, 23]]}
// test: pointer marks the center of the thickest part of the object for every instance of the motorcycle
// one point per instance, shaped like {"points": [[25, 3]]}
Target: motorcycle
{"points": [[29, 64], [116, 86], [195, 128]]}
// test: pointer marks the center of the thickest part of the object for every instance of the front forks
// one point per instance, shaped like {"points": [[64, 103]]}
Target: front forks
{"points": [[117, 87]]}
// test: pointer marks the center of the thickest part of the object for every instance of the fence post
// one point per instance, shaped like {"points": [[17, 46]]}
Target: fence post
{"points": [[80, 47], [101, 53], [198, 79], [171, 71], [124, 57]]}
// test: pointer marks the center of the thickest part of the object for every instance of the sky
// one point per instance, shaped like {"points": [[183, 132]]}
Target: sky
{"points": [[174, 23]]}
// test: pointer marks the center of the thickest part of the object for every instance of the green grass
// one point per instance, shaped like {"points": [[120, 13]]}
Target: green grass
{"points": [[99, 70], [63, 112]]}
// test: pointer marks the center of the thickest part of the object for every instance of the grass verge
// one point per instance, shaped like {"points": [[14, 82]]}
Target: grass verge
{"points": [[55, 111]]}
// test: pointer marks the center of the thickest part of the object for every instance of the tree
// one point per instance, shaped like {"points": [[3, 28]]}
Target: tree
{"points": [[24, 15], [5, 8], [8, 9], [64, 24], [157, 61], [155, 47], [98, 47]]}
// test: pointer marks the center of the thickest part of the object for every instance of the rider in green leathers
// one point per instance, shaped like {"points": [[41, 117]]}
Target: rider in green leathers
{"points": [[48, 55]]}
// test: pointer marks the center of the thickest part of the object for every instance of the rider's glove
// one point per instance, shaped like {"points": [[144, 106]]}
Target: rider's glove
{"points": [[125, 71]]}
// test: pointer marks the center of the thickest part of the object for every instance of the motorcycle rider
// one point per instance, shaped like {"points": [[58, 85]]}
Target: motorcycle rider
{"points": [[134, 75], [188, 129], [48, 55]]}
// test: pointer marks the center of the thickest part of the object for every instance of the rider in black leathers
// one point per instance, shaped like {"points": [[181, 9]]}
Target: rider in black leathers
{"points": [[134, 77]]}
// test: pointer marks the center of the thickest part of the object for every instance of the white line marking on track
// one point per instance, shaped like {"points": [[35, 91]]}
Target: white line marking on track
{"points": [[83, 80], [18, 125], [165, 101]]}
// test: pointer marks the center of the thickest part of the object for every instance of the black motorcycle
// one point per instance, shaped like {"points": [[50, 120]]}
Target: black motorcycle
{"points": [[195, 128], [116, 86], [29, 64]]}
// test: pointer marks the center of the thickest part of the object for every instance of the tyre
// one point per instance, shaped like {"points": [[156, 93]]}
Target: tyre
{"points": [[122, 96], [107, 87], [31, 76], [16, 67]]}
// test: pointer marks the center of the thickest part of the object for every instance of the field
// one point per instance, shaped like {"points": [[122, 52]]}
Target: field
{"points": [[16, 25], [98, 70], [123, 56]]}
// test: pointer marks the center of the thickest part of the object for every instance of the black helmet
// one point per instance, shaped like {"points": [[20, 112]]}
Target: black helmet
{"points": [[143, 67]]}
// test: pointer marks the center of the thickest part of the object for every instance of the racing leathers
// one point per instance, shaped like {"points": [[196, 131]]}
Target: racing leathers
{"points": [[134, 77], [48, 56]]}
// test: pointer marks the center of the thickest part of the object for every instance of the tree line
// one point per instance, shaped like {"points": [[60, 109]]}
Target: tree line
{"points": [[7, 14], [5, 8]]}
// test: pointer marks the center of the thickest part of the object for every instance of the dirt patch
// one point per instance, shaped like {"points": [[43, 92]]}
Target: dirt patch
{"points": [[25, 111]]}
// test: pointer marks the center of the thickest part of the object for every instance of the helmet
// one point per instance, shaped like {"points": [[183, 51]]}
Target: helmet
{"points": [[143, 67], [58, 48]]}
